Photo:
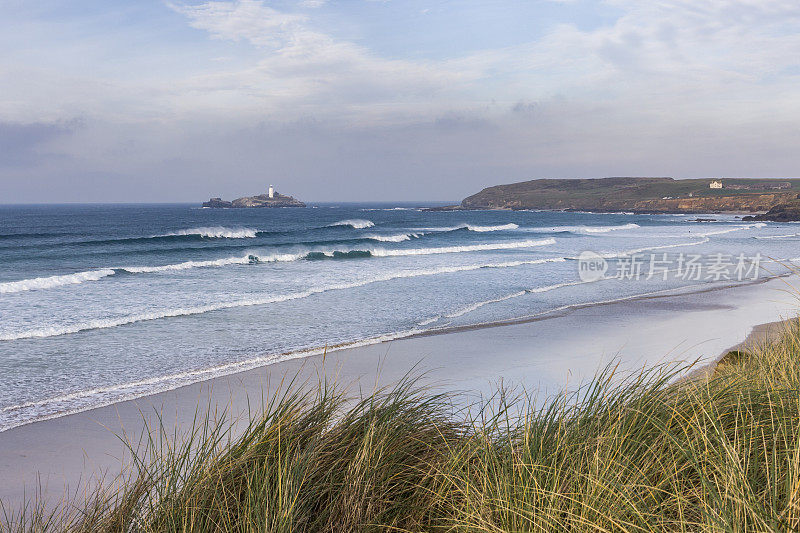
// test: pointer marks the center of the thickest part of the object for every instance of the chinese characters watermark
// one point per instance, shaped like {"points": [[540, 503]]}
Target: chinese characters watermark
{"points": [[662, 266]]}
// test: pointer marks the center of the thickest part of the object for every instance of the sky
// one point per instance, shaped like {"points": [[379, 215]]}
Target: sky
{"points": [[388, 100]]}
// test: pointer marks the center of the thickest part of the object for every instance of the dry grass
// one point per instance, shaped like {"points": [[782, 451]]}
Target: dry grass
{"points": [[721, 454]]}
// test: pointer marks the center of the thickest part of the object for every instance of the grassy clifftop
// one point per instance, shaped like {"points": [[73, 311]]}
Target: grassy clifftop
{"points": [[637, 194], [717, 454]]}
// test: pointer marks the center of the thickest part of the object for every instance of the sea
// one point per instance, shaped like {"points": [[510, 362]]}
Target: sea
{"points": [[103, 303]]}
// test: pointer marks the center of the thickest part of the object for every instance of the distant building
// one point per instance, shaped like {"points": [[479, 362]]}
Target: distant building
{"points": [[271, 192], [716, 184]]}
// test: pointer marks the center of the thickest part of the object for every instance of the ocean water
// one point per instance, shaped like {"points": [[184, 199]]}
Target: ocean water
{"points": [[101, 303]]}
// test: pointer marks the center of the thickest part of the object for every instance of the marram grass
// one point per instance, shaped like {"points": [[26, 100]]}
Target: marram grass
{"points": [[637, 454]]}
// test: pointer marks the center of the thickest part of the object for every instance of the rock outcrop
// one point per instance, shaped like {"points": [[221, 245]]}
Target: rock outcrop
{"points": [[783, 212], [262, 200]]}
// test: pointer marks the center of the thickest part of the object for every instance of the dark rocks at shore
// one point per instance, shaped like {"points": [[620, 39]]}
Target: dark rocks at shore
{"points": [[217, 203], [785, 212], [262, 200]]}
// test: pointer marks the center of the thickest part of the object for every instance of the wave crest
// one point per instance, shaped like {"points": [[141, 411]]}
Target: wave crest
{"points": [[356, 223], [472, 227], [51, 282], [103, 323], [394, 238], [216, 232]]}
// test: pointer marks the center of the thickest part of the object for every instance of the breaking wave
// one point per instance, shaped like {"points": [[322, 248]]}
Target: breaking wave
{"points": [[483, 229], [472, 227], [399, 252], [394, 238], [95, 275], [51, 282], [356, 223], [217, 232], [187, 265], [103, 323], [606, 229], [459, 249], [583, 229]]}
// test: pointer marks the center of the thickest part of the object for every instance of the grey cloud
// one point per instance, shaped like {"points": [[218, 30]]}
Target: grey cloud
{"points": [[20, 144]]}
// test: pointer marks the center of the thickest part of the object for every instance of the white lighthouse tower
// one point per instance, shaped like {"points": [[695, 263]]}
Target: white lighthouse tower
{"points": [[271, 192]]}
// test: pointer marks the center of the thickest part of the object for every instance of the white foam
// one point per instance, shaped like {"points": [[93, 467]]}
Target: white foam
{"points": [[606, 229], [483, 229], [186, 265], [477, 305], [729, 230], [788, 236], [216, 232], [394, 238], [54, 331], [460, 249], [583, 229], [472, 227], [144, 387], [353, 223], [625, 253], [295, 256], [50, 282]]}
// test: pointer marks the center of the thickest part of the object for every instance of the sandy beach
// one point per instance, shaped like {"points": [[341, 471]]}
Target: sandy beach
{"points": [[544, 356]]}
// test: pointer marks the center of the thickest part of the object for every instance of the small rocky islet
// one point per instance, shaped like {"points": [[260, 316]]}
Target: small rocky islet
{"points": [[271, 199]]}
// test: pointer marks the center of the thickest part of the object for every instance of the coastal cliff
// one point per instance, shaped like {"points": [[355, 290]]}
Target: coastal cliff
{"points": [[639, 195], [262, 200], [783, 212]]}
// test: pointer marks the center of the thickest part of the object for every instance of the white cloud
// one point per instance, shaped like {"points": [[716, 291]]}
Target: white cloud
{"points": [[308, 69], [681, 87]]}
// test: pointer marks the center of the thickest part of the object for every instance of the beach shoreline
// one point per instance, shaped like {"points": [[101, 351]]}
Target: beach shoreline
{"points": [[544, 355]]}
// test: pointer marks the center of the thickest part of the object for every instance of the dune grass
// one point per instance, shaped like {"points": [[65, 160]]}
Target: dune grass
{"points": [[641, 453]]}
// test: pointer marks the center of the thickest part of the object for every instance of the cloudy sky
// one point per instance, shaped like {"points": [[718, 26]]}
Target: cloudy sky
{"points": [[112, 100]]}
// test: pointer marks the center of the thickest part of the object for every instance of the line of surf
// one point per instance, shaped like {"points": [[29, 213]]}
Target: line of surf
{"points": [[471, 227], [399, 237], [104, 323], [50, 282], [173, 381], [215, 232]]}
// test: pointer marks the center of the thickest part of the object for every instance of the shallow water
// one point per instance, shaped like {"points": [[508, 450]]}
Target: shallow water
{"points": [[106, 302]]}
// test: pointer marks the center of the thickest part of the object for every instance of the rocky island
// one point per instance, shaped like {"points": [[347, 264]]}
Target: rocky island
{"points": [[271, 199], [638, 195]]}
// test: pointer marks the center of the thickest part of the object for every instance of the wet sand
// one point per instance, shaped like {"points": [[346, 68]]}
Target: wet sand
{"points": [[542, 356]]}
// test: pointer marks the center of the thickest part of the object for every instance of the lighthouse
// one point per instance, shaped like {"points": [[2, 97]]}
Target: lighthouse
{"points": [[271, 192]]}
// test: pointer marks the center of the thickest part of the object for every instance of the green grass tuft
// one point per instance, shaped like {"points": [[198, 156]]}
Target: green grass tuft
{"points": [[643, 453]]}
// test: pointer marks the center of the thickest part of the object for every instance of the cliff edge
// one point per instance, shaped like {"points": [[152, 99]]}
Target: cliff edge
{"points": [[638, 194]]}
